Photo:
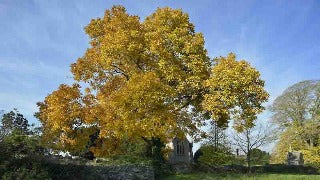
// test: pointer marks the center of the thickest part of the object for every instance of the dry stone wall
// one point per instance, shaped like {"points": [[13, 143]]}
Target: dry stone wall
{"points": [[123, 172], [66, 168]]}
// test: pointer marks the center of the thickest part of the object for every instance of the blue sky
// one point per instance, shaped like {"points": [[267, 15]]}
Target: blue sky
{"points": [[40, 39]]}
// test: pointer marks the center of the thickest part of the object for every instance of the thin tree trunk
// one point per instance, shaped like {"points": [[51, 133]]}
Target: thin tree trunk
{"points": [[248, 152], [215, 135]]}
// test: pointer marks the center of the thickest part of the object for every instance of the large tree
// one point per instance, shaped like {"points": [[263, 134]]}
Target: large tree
{"points": [[145, 80], [297, 112], [297, 104]]}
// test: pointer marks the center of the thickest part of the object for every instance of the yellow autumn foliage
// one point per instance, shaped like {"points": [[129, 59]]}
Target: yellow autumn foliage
{"points": [[235, 92], [293, 139], [312, 156], [145, 79]]}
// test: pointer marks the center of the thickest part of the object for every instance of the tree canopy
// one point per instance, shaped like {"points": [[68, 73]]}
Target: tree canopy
{"points": [[147, 79], [298, 104], [297, 111], [235, 91], [14, 121]]}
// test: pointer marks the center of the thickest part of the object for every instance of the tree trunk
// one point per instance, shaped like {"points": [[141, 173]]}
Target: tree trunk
{"points": [[249, 161], [215, 135], [154, 148], [148, 148], [248, 152]]}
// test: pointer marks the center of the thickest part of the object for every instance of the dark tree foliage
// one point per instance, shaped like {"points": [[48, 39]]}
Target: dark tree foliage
{"points": [[259, 157], [21, 152], [14, 121], [212, 156], [197, 155]]}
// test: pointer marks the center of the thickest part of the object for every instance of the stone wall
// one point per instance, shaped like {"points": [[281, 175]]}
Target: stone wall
{"points": [[123, 172], [64, 168], [182, 168]]}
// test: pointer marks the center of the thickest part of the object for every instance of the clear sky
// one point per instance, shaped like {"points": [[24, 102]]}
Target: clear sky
{"points": [[40, 39]]}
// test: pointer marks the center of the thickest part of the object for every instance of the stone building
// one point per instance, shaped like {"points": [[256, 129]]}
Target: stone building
{"points": [[295, 158], [181, 151]]}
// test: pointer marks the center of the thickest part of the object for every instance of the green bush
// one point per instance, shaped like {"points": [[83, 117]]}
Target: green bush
{"points": [[212, 156], [21, 158], [259, 157], [24, 173], [239, 160], [68, 171]]}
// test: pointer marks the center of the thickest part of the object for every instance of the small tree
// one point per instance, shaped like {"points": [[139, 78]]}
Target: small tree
{"points": [[259, 157], [14, 121], [21, 151], [212, 156], [252, 138], [216, 149], [216, 136]]}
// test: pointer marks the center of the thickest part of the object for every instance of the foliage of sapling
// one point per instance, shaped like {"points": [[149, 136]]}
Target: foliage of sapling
{"points": [[212, 156]]}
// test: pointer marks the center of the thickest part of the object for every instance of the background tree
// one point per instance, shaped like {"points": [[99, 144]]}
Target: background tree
{"points": [[2, 132], [14, 121], [296, 112], [211, 156], [259, 157], [215, 149], [145, 80], [252, 138], [216, 136], [21, 152], [297, 104]]}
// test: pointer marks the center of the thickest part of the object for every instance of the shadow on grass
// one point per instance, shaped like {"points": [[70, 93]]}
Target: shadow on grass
{"points": [[272, 168], [267, 172], [285, 169], [235, 176]]}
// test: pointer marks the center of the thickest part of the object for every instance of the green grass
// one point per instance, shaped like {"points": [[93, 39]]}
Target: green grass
{"points": [[228, 176]]}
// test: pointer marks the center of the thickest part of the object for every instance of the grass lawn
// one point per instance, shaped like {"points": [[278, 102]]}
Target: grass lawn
{"points": [[209, 176]]}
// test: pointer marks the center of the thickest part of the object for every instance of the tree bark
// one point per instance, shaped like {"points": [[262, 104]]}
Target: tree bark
{"points": [[248, 151]]}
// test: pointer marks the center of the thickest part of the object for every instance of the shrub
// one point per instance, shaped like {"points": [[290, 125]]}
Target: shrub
{"points": [[311, 156], [212, 156], [24, 173], [259, 157]]}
